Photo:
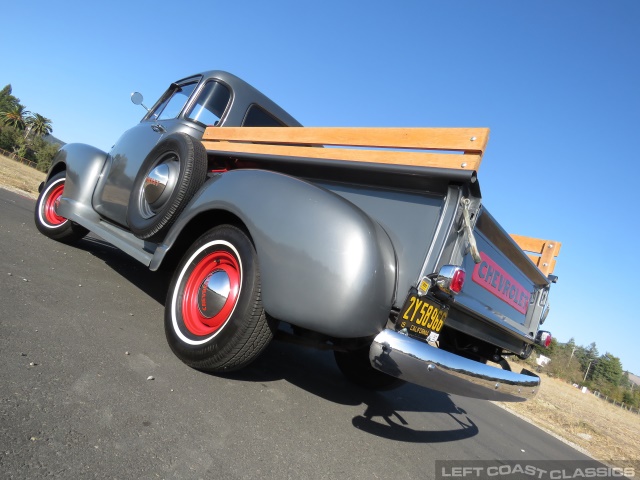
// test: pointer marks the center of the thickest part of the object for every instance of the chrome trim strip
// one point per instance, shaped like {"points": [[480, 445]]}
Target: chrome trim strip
{"points": [[447, 216], [418, 362]]}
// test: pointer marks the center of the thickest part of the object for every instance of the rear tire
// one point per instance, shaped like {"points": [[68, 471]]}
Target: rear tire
{"points": [[46, 216], [214, 319]]}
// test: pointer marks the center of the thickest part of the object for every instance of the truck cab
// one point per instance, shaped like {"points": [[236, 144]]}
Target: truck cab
{"points": [[188, 106]]}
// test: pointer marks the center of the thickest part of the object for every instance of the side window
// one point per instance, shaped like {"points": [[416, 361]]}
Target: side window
{"points": [[171, 106], [210, 104], [258, 117]]}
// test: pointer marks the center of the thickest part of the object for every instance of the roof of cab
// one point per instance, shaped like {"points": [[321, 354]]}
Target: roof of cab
{"points": [[242, 89]]}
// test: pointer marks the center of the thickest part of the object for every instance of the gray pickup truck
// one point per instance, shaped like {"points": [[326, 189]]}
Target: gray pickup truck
{"points": [[381, 251]]}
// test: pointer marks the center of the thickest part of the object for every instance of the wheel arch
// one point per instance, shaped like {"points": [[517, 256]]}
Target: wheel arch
{"points": [[197, 226], [325, 264], [83, 165], [56, 169]]}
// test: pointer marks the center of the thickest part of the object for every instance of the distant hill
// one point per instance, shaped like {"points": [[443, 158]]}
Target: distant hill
{"points": [[52, 139], [634, 378]]}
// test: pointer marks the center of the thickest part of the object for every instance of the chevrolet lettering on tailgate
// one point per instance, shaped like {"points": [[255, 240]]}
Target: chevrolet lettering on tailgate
{"points": [[489, 275]]}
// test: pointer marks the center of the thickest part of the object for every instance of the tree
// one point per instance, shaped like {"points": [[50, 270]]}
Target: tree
{"points": [[9, 137], [588, 358], [21, 132], [38, 125], [625, 382], [608, 369], [15, 117], [563, 364], [580, 354], [43, 152], [592, 351], [7, 101]]}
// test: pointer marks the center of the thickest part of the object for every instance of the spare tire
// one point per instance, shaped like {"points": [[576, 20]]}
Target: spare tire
{"points": [[168, 178]]}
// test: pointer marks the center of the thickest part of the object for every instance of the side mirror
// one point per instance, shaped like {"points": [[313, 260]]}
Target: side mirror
{"points": [[137, 98]]}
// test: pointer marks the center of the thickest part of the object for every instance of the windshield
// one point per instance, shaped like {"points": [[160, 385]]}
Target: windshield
{"points": [[173, 101]]}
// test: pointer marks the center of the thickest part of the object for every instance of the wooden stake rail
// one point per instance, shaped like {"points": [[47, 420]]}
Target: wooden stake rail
{"points": [[397, 146], [541, 252]]}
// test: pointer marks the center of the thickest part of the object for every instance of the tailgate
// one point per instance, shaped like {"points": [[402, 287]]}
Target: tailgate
{"points": [[505, 288]]}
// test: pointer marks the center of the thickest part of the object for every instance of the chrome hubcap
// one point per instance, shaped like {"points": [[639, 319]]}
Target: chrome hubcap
{"points": [[156, 182], [213, 293]]}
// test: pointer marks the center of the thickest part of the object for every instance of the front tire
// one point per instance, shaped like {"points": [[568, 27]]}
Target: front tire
{"points": [[46, 216], [214, 319]]}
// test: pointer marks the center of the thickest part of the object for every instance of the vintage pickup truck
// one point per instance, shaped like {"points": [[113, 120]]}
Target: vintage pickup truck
{"points": [[372, 242]]}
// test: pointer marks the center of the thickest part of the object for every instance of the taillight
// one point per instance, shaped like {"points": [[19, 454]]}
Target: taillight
{"points": [[543, 338], [451, 279], [457, 282]]}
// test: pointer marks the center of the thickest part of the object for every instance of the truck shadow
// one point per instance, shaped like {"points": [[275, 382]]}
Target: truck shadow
{"points": [[384, 413], [154, 284], [315, 372]]}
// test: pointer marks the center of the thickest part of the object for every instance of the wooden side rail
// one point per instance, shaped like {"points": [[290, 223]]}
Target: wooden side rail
{"points": [[541, 252], [458, 148], [397, 146]]}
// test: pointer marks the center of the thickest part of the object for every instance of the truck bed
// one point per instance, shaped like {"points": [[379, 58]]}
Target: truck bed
{"points": [[413, 182], [389, 150]]}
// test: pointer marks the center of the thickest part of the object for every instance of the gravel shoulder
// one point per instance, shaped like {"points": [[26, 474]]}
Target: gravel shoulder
{"points": [[19, 178]]}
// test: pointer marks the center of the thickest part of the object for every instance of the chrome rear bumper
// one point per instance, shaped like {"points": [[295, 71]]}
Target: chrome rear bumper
{"points": [[417, 362]]}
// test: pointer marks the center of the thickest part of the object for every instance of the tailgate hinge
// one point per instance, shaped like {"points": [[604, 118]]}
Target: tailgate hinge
{"points": [[466, 225]]}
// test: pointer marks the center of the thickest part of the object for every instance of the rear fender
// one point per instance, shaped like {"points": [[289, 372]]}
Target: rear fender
{"points": [[325, 265]]}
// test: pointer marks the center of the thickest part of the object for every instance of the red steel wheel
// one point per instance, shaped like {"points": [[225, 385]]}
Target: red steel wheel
{"points": [[211, 293], [47, 218], [214, 318], [51, 203]]}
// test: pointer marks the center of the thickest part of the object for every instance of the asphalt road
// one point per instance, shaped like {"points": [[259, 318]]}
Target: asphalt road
{"points": [[81, 331]]}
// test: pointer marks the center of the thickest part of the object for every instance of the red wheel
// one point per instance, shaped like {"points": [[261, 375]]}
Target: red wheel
{"points": [[214, 318], [211, 293], [47, 218], [52, 201]]}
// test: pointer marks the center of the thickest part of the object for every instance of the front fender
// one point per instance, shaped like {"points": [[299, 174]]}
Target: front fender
{"points": [[83, 164], [325, 265]]}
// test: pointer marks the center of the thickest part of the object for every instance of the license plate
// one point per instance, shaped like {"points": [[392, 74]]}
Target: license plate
{"points": [[422, 317]]}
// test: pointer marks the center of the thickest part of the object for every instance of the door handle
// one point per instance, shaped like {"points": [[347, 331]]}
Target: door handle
{"points": [[158, 128]]}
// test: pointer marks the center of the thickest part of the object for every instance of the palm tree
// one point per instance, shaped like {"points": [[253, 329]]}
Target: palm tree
{"points": [[7, 100], [39, 125], [15, 117]]}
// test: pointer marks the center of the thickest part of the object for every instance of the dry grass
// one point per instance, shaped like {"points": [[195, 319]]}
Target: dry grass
{"points": [[19, 178], [608, 433]]}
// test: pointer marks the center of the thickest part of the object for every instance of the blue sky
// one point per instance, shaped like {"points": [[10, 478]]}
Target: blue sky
{"points": [[558, 83]]}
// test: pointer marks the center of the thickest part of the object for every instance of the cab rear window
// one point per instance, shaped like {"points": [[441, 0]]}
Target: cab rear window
{"points": [[258, 117]]}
